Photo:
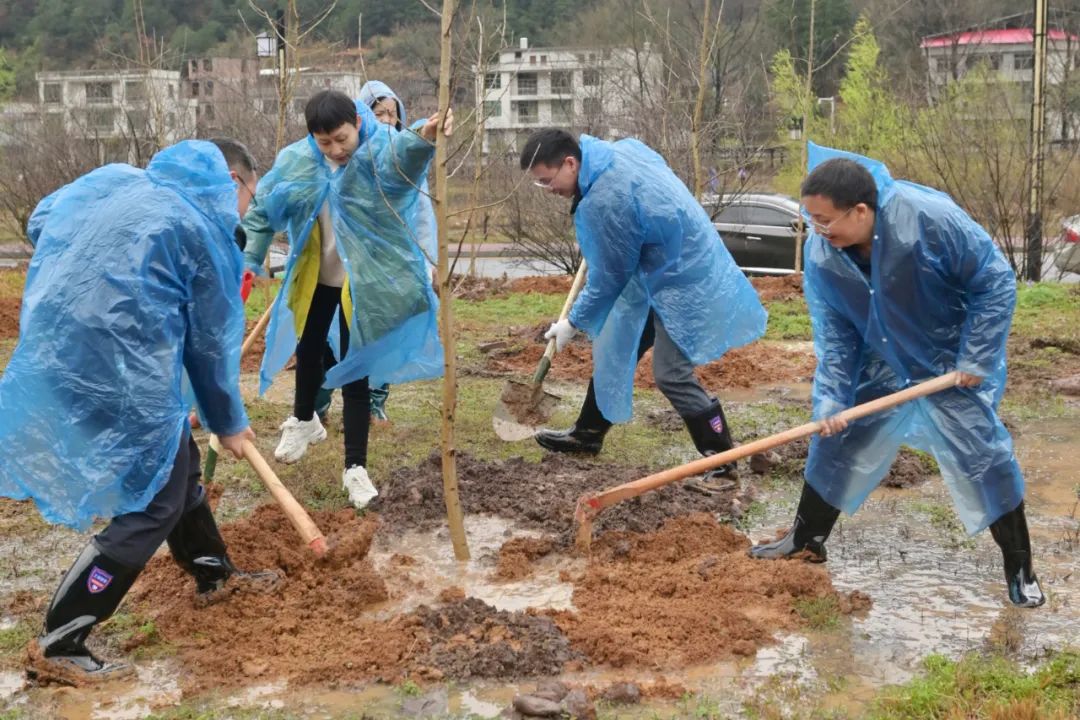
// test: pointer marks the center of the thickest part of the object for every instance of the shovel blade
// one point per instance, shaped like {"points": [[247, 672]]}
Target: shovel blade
{"points": [[522, 407]]}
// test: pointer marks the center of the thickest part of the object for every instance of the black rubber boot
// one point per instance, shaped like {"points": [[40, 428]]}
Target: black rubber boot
{"points": [[710, 433], [1010, 532], [814, 521], [89, 593], [588, 441], [197, 547]]}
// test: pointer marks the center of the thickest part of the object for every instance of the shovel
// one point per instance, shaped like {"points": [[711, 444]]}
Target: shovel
{"points": [[523, 406], [589, 506], [210, 466]]}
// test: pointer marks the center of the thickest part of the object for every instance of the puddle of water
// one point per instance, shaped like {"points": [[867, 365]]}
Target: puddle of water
{"points": [[1047, 452], [10, 683], [437, 568]]}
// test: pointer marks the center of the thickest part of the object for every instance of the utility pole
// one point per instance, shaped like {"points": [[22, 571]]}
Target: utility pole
{"points": [[1034, 231]]}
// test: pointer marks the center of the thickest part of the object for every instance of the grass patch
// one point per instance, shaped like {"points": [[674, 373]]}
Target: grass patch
{"points": [[516, 309], [1047, 310], [944, 518], [788, 320], [11, 283], [819, 613], [13, 640], [986, 687]]}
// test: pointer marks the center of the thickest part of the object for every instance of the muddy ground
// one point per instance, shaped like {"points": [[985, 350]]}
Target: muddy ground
{"points": [[9, 317]]}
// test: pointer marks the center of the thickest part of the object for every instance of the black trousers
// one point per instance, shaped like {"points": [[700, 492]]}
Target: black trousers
{"points": [[132, 539], [310, 373]]}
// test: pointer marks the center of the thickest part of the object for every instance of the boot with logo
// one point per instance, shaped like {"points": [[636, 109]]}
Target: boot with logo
{"points": [[1010, 532], [711, 435], [814, 521], [89, 594], [197, 547]]}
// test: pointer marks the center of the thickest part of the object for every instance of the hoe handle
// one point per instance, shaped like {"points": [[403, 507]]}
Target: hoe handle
{"points": [[549, 353], [590, 505]]}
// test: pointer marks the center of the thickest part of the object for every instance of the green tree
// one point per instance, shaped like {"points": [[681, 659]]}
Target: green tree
{"points": [[7, 78], [789, 21], [792, 101], [870, 120]]}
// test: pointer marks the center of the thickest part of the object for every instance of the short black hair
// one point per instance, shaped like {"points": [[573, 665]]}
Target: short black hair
{"points": [[845, 182], [327, 110], [550, 147], [237, 156]]}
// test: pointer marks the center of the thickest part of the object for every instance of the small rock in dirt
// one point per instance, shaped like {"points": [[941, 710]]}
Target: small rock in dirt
{"points": [[451, 594], [577, 706], [551, 690], [704, 569], [532, 706], [254, 668], [492, 346], [761, 463], [625, 693], [621, 549], [1067, 386], [433, 704]]}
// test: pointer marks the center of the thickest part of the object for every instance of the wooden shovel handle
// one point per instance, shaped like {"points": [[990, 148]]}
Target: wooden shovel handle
{"points": [[256, 331], [590, 505], [549, 353], [298, 516]]}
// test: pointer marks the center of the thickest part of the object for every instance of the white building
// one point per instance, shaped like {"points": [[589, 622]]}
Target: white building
{"points": [[120, 108], [591, 89], [1009, 54]]}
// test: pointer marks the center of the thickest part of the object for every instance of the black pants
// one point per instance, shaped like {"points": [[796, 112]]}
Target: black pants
{"points": [[132, 539], [310, 374]]}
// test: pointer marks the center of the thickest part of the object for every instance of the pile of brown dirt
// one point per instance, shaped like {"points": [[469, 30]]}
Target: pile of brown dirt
{"points": [[314, 629], [539, 496], [544, 284], [468, 287], [909, 470], [9, 317], [778, 289], [251, 362], [759, 363], [517, 555], [687, 594]]}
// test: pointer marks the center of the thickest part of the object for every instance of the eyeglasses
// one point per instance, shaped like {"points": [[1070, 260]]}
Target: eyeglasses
{"points": [[826, 230], [546, 184]]}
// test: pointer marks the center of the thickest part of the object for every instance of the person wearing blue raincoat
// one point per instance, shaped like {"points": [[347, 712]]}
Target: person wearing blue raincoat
{"points": [[658, 275], [902, 286], [348, 195], [134, 280]]}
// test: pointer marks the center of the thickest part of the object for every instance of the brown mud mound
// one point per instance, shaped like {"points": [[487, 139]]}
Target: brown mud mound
{"points": [[317, 629], [778, 289], [541, 495], [9, 317], [910, 469], [469, 639], [759, 363], [545, 284], [687, 594], [468, 287], [517, 555]]}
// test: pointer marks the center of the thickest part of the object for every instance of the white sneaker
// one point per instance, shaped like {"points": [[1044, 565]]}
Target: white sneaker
{"points": [[358, 485], [296, 436]]}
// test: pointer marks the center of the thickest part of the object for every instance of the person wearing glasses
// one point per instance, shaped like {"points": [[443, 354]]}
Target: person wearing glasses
{"points": [[348, 195], [658, 276], [902, 285]]}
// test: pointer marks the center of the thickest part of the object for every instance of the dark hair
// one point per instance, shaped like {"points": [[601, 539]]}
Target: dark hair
{"points": [[845, 182], [237, 156], [327, 110], [550, 147]]}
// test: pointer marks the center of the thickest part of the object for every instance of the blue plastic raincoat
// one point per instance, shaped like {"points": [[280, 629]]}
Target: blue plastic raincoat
{"points": [[135, 278], [649, 243], [425, 232], [939, 297], [387, 298]]}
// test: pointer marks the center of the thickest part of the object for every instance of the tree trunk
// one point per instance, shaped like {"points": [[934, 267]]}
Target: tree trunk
{"points": [[454, 515]]}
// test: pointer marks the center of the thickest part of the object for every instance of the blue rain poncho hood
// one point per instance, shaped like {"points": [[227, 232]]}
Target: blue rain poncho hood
{"points": [[135, 277], [939, 297], [649, 244], [425, 231], [387, 298]]}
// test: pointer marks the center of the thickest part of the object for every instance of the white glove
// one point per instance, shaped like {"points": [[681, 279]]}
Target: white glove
{"points": [[563, 332]]}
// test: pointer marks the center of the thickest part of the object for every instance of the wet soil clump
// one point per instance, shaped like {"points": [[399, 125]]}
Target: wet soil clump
{"points": [[9, 317], [687, 594], [540, 496]]}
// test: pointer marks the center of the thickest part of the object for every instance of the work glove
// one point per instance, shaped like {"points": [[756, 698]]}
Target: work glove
{"points": [[562, 331]]}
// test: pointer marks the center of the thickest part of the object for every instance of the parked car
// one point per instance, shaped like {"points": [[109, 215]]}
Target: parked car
{"points": [[1067, 258], [758, 229]]}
